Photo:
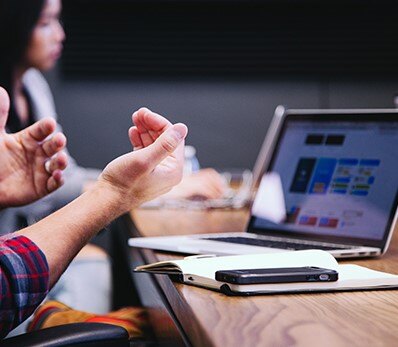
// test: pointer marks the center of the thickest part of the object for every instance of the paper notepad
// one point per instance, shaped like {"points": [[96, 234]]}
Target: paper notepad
{"points": [[200, 271]]}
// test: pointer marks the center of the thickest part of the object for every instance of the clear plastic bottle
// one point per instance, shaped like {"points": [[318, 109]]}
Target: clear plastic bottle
{"points": [[191, 161]]}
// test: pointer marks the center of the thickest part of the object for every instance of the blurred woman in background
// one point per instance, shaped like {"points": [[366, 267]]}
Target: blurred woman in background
{"points": [[31, 38], [31, 41]]}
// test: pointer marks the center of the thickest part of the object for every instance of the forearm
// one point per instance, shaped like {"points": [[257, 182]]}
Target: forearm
{"points": [[126, 182], [61, 235]]}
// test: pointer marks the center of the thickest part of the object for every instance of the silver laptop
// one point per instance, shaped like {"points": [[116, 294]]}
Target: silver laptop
{"points": [[328, 181], [247, 182]]}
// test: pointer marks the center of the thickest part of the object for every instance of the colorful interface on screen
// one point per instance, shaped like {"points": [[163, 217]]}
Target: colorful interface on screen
{"points": [[338, 178]]}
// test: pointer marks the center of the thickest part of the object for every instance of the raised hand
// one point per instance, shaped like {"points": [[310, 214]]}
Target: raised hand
{"points": [[125, 183], [31, 165], [148, 126], [154, 167], [206, 183]]}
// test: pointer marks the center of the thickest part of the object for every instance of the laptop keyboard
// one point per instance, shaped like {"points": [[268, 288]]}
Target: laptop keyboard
{"points": [[275, 244]]}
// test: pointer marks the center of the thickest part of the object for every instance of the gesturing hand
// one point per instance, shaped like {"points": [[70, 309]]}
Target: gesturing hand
{"points": [[24, 174], [156, 164], [206, 183], [148, 127]]}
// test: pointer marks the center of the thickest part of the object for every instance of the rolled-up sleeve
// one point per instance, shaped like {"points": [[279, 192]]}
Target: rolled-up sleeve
{"points": [[24, 280]]}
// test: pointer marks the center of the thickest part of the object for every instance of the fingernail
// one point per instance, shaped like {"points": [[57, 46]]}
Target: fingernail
{"points": [[180, 130]]}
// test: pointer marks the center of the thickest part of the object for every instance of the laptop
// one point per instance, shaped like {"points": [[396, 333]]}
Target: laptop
{"points": [[328, 181], [246, 181]]}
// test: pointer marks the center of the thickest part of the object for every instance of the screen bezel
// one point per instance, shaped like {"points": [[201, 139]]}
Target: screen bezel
{"points": [[360, 116]]}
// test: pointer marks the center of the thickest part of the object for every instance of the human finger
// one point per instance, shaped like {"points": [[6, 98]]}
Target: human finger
{"points": [[54, 145], [40, 130], [146, 120], [145, 137], [148, 135], [165, 145], [217, 181], [210, 178], [150, 125], [135, 138], [57, 162], [210, 190], [55, 181], [4, 108]]}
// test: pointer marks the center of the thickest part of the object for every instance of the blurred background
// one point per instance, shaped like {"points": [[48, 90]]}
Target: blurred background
{"points": [[221, 67]]}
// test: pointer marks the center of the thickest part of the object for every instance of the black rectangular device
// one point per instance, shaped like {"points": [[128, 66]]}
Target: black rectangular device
{"points": [[277, 275]]}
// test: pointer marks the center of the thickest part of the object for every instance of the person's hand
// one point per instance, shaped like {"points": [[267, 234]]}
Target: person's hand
{"points": [[148, 127], [31, 165], [203, 184], [206, 183], [153, 168]]}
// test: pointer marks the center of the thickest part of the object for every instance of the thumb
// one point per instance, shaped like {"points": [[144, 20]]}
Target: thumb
{"points": [[165, 144], [4, 108]]}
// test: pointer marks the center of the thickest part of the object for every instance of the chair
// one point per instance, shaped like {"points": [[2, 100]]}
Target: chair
{"points": [[76, 334], [95, 334]]}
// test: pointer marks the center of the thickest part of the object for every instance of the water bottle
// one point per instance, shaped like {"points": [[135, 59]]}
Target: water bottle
{"points": [[191, 161]]}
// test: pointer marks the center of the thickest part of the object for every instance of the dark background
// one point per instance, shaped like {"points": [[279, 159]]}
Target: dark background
{"points": [[219, 66]]}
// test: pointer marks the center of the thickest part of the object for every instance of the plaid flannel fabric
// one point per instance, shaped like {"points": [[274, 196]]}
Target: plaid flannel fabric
{"points": [[23, 280]]}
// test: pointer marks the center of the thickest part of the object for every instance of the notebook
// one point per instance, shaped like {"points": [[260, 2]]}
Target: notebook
{"points": [[201, 272], [328, 182]]}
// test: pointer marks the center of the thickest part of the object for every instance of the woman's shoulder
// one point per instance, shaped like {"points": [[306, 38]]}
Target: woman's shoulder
{"points": [[33, 78], [40, 93]]}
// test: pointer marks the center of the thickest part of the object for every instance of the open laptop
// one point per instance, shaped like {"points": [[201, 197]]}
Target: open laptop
{"points": [[247, 181], [329, 182]]}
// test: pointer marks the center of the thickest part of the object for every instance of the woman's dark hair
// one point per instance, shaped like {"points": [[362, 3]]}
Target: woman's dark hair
{"points": [[17, 20]]}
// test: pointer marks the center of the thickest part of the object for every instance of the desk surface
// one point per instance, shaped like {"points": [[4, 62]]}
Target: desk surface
{"points": [[368, 318]]}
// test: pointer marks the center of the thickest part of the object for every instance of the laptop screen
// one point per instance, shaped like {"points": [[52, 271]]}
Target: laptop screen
{"points": [[331, 177]]}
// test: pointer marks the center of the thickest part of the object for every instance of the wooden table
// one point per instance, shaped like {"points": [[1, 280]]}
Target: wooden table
{"points": [[206, 318]]}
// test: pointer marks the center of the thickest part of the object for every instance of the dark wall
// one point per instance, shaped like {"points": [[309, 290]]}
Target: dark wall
{"points": [[300, 62], [227, 120]]}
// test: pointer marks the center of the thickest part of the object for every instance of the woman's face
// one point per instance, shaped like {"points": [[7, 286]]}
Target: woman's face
{"points": [[45, 45]]}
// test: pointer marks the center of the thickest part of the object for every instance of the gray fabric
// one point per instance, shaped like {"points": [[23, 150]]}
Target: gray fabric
{"points": [[75, 176], [86, 285]]}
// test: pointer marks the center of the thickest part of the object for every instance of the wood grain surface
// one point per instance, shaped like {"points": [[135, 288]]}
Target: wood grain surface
{"points": [[367, 318]]}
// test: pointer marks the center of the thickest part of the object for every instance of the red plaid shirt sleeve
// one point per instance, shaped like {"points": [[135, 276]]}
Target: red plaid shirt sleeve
{"points": [[23, 280]]}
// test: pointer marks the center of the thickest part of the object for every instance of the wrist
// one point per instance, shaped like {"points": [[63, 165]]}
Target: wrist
{"points": [[114, 199]]}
